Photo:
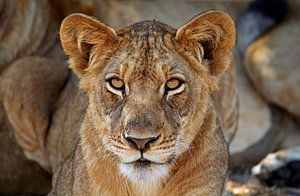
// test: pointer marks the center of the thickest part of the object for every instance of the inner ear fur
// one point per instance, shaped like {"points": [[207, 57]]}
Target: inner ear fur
{"points": [[79, 33], [215, 32]]}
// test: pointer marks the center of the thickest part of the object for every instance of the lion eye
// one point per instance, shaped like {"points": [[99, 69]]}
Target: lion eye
{"points": [[117, 83], [116, 86], [174, 86]]}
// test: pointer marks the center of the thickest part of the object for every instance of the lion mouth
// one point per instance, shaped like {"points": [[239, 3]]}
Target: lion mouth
{"points": [[143, 169], [143, 160], [143, 163]]}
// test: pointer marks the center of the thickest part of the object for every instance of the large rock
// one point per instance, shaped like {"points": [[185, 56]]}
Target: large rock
{"points": [[273, 63]]}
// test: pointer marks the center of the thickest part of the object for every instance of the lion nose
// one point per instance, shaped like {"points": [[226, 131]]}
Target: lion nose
{"points": [[140, 143]]}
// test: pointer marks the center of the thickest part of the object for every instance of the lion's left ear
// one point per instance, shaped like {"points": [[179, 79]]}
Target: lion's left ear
{"points": [[214, 33], [79, 34]]}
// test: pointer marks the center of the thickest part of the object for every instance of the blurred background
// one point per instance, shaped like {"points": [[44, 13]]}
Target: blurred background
{"points": [[267, 58]]}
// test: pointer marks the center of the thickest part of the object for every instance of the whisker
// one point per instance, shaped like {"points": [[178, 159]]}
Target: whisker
{"points": [[161, 148]]}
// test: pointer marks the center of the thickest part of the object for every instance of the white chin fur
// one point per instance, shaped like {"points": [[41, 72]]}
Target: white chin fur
{"points": [[146, 174]]}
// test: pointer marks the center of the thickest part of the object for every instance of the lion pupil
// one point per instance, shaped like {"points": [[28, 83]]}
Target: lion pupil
{"points": [[117, 83], [172, 84]]}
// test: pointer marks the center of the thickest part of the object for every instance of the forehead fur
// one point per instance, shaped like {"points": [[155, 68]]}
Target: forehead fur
{"points": [[147, 52], [147, 28]]}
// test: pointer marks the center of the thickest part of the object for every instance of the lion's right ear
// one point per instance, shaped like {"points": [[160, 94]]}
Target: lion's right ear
{"points": [[79, 34], [213, 35]]}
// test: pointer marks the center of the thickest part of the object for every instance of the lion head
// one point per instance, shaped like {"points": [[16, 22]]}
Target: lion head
{"points": [[149, 85]]}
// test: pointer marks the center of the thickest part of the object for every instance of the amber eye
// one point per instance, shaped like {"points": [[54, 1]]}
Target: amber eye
{"points": [[116, 86], [117, 83], [173, 84]]}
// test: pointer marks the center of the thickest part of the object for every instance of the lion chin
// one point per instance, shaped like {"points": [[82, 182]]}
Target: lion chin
{"points": [[143, 170]]}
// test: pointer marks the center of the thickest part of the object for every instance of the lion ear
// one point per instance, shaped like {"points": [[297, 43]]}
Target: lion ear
{"points": [[79, 34], [214, 33]]}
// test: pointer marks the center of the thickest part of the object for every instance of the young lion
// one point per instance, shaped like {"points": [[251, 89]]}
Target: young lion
{"points": [[151, 127]]}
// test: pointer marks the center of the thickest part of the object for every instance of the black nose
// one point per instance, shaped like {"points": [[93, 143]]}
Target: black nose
{"points": [[140, 143]]}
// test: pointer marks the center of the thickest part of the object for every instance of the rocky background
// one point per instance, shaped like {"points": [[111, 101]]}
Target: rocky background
{"points": [[268, 80]]}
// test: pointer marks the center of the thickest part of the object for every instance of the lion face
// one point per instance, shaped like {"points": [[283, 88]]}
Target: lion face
{"points": [[148, 85], [147, 95]]}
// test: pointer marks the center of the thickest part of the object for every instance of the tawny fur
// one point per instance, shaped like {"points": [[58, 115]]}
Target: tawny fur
{"points": [[32, 76], [143, 55]]}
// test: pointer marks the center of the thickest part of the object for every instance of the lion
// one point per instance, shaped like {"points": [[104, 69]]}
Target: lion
{"points": [[21, 33], [32, 75], [151, 125], [27, 28]]}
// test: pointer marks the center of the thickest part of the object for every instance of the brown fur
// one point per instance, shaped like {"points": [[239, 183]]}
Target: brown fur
{"points": [[190, 144], [29, 89], [26, 28], [21, 33]]}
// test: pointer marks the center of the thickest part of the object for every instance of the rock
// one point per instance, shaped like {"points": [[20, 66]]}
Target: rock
{"points": [[272, 63]]}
